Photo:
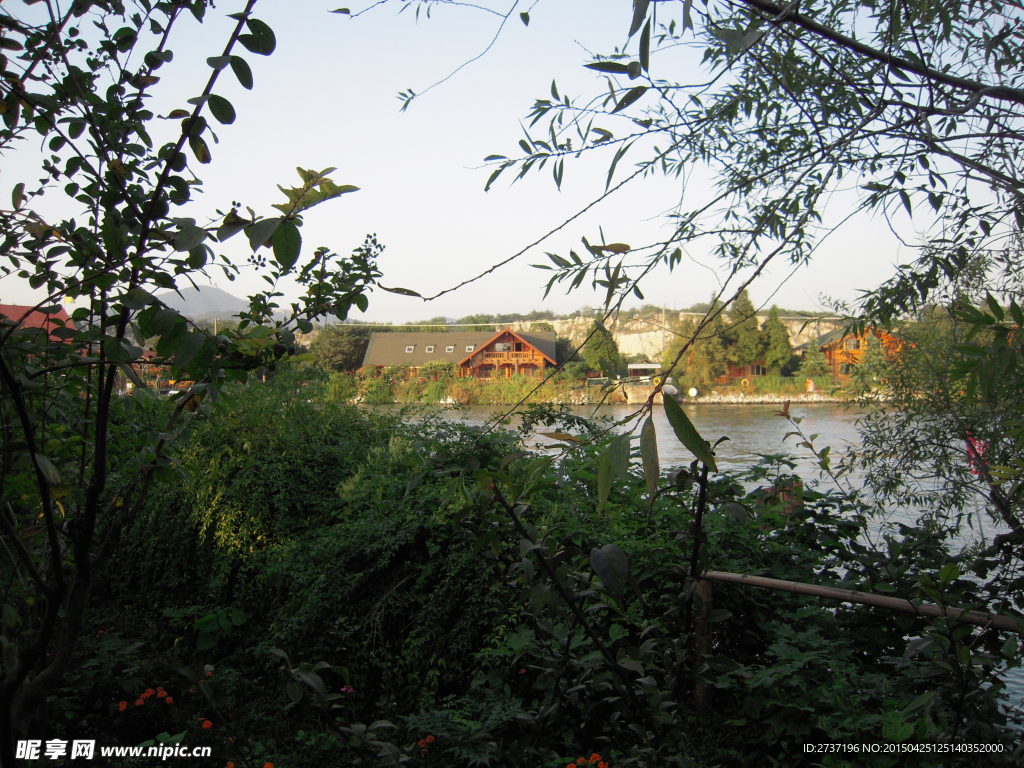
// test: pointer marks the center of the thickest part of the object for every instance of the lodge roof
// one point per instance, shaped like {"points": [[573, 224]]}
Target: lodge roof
{"points": [[834, 337], [30, 317], [389, 348]]}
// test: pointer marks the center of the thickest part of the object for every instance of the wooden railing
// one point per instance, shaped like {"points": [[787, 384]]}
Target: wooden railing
{"points": [[510, 356]]}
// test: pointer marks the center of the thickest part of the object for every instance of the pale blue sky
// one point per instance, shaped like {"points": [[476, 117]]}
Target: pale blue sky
{"points": [[327, 97]]}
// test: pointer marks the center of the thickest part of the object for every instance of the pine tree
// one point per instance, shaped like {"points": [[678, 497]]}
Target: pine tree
{"points": [[746, 341], [601, 344], [704, 361], [815, 365], [779, 349], [870, 372]]}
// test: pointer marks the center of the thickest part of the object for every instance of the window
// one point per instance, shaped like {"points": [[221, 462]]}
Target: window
{"points": [[450, 348], [470, 347], [430, 348], [852, 344], [845, 369], [758, 370], [410, 348], [518, 346], [502, 346]]}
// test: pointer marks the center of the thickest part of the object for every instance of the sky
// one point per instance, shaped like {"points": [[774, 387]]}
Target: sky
{"points": [[327, 97]]}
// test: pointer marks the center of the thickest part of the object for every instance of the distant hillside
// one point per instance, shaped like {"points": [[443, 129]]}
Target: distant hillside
{"points": [[205, 302]]}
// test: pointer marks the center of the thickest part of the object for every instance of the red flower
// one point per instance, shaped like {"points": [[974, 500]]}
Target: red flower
{"points": [[161, 693], [122, 706], [430, 739], [422, 743], [207, 724], [595, 758], [139, 702], [209, 674], [602, 764], [268, 765], [169, 700]]}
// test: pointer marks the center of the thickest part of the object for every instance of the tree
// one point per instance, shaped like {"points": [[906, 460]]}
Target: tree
{"points": [[79, 460], [815, 364], [341, 347], [778, 349], [870, 371], [600, 346], [704, 361], [746, 342], [917, 102]]}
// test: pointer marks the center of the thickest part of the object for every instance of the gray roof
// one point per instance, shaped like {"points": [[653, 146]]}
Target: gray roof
{"points": [[824, 340], [389, 348]]}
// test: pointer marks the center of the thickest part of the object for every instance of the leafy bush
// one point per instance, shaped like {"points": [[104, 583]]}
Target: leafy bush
{"points": [[411, 556]]}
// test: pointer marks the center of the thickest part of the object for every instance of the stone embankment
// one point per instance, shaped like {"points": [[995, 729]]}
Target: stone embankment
{"points": [[639, 394], [765, 399]]}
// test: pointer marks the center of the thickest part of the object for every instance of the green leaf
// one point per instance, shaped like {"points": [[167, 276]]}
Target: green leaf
{"points": [[49, 471], [618, 454], [645, 47], [218, 62], [613, 67], [631, 96], [221, 109], [639, 14], [611, 566], [604, 481], [199, 149], [262, 231], [649, 456], [188, 237], [187, 347], [345, 11], [287, 244], [242, 72], [949, 573], [687, 434], [526, 18], [261, 41], [18, 195], [400, 291], [993, 305]]}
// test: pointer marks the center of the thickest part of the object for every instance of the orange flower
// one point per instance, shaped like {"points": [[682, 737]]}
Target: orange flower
{"points": [[268, 765], [160, 694], [595, 758], [602, 764], [139, 702], [209, 674], [149, 692], [122, 706], [207, 724], [422, 743], [230, 765], [571, 765], [581, 761], [430, 739], [169, 700]]}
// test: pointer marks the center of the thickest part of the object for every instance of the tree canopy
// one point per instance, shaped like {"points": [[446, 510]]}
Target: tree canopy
{"points": [[746, 342], [600, 345], [778, 348]]}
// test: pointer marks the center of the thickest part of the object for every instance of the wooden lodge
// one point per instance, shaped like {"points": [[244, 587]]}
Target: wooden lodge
{"points": [[475, 354], [844, 350]]}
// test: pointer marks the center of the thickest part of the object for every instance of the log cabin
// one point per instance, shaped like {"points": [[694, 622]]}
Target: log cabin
{"points": [[844, 350], [475, 354]]}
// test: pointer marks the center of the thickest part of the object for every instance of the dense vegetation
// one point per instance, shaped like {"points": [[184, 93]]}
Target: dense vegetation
{"points": [[308, 531]]}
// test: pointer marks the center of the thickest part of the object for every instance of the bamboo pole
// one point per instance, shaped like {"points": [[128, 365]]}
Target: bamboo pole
{"points": [[865, 598]]}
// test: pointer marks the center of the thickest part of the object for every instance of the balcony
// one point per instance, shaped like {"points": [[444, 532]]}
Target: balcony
{"points": [[510, 357]]}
